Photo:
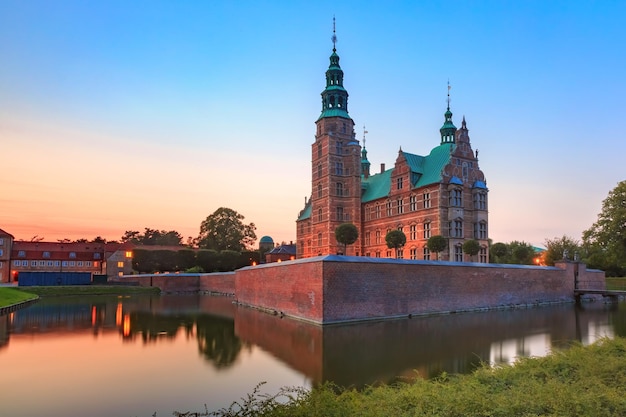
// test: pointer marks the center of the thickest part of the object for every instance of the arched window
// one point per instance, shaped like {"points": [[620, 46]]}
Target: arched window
{"points": [[319, 190]]}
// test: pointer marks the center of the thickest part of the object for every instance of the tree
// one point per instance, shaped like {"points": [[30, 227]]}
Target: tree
{"points": [[395, 240], [605, 241], [437, 244], [471, 247], [153, 237], [499, 252], [347, 234], [521, 253], [557, 246], [225, 230]]}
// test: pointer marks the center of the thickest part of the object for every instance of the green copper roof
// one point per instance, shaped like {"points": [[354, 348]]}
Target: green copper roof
{"points": [[425, 170], [306, 213], [433, 165], [376, 186], [336, 112]]}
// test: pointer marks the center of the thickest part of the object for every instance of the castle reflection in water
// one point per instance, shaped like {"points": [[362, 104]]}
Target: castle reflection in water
{"points": [[349, 355]]}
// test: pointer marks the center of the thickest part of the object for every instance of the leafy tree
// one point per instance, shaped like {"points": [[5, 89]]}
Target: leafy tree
{"points": [[153, 237], [499, 252], [555, 248], [229, 260], [437, 244], [395, 239], [605, 241], [471, 247], [225, 230], [99, 239], [347, 234], [186, 259], [207, 260], [521, 253]]}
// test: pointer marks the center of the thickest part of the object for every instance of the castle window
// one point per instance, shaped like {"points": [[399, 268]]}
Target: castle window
{"points": [[480, 201], [338, 168], [319, 150], [427, 230], [456, 229], [319, 190], [388, 254], [400, 206], [465, 171], [399, 183], [319, 170], [339, 189], [426, 200], [413, 203], [456, 198], [338, 149], [340, 105], [458, 253], [343, 128], [377, 212], [482, 255], [389, 208], [400, 254], [480, 230], [413, 253], [319, 215], [413, 232], [331, 103], [319, 239], [367, 239], [339, 213], [378, 254], [378, 237]]}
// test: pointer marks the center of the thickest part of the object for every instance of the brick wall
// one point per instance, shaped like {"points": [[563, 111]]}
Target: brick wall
{"points": [[218, 282], [336, 289]]}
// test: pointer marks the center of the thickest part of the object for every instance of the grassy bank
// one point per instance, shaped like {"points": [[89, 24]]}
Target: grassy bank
{"points": [[63, 290], [580, 381], [613, 283], [10, 296]]}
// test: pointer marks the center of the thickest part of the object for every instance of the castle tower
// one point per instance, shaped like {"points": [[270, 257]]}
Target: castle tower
{"points": [[336, 170]]}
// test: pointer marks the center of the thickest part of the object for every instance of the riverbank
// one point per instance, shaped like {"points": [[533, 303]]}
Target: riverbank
{"points": [[12, 298], [579, 381]]}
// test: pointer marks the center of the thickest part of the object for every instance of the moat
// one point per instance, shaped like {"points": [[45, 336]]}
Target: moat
{"points": [[134, 356]]}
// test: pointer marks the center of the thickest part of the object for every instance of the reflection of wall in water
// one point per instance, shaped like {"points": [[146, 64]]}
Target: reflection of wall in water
{"points": [[366, 353]]}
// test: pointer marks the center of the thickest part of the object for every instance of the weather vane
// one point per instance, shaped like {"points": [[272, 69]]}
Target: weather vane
{"points": [[334, 37], [449, 87], [364, 132]]}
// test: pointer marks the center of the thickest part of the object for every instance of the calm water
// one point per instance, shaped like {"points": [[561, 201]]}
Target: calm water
{"points": [[134, 356]]}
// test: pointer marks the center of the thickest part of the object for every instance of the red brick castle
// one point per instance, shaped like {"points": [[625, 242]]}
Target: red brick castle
{"points": [[442, 193]]}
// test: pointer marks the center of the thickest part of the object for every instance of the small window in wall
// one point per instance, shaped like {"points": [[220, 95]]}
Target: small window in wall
{"points": [[42, 263], [120, 264], [21, 254], [413, 253], [458, 253], [482, 255], [72, 255], [400, 206], [79, 263], [57, 263], [128, 254], [49, 263], [426, 200], [413, 232], [46, 254], [426, 254], [319, 190], [96, 255], [399, 183], [72, 263], [427, 230], [1, 241], [413, 203]]}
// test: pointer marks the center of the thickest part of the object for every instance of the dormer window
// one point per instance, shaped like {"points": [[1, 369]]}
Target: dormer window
{"points": [[46, 254], [72, 255]]}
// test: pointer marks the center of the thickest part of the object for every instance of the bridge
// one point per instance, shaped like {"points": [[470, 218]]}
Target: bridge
{"points": [[612, 294]]}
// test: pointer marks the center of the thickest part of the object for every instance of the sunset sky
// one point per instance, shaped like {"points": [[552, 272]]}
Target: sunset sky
{"points": [[121, 115]]}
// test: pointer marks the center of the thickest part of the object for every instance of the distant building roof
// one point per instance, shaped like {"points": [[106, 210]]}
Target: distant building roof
{"points": [[266, 239], [289, 249], [2, 232]]}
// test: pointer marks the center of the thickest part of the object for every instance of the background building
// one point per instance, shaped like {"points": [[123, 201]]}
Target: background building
{"points": [[6, 242], [442, 193]]}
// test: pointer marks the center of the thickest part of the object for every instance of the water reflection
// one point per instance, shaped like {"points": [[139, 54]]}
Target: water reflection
{"points": [[349, 355]]}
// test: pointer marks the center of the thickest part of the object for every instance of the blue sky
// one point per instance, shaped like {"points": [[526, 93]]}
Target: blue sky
{"points": [[120, 115]]}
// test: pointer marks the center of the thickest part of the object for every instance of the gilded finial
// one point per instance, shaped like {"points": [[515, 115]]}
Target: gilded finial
{"points": [[334, 37]]}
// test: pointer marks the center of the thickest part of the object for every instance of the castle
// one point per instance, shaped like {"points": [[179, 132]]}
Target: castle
{"points": [[442, 193]]}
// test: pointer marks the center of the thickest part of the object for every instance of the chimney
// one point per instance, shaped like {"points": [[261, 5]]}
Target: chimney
{"points": [[382, 168]]}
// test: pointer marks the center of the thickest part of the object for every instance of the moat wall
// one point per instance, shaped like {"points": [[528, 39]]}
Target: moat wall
{"points": [[334, 289]]}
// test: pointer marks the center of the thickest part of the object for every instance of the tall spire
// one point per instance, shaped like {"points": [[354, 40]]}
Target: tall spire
{"points": [[448, 129], [334, 96], [365, 163]]}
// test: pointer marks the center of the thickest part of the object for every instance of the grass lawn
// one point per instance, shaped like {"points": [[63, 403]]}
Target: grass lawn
{"points": [[616, 283], [10, 296], [62, 290]]}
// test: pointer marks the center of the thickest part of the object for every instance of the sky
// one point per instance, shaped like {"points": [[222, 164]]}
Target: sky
{"points": [[122, 115]]}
